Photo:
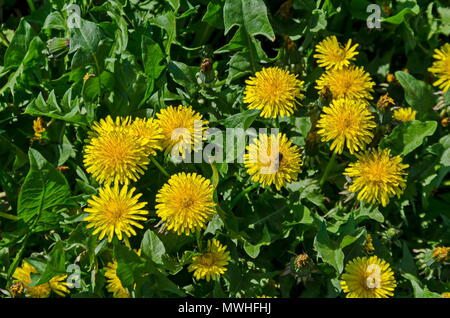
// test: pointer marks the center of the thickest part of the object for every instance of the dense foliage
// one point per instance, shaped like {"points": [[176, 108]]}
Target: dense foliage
{"points": [[134, 58]]}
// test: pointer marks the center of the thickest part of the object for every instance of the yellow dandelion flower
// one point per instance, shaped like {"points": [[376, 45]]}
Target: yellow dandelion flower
{"points": [[38, 127], [212, 263], [182, 128], [441, 67], [368, 277], [346, 122], [116, 155], [185, 203], [273, 91], [113, 282], [441, 253], [445, 295], [115, 211], [23, 275], [108, 124], [273, 159], [59, 285], [332, 55], [377, 176], [404, 114], [149, 133], [349, 82]]}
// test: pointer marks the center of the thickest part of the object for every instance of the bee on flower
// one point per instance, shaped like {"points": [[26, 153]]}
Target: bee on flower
{"points": [[273, 159]]}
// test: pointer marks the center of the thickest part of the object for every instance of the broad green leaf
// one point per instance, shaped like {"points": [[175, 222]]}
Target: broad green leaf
{"points": [[253, 250], [408, 136], [56, 264], [418, 95], [239, 65], [249, 14], [184, 75], [328, 250], [18, 47], [84, 42], [153, 247], [369, 211], [44, 189], [168, 23], [241, 120], [130, 267], [445, 159], [214, 14], [55, 20]]}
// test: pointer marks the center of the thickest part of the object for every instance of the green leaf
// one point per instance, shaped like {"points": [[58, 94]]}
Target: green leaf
{"points": [[44, 189], [318, 21], [250, 14], [56, 264], [184, 75], [214, 225], [253, 250], [168, 23], [408, 136], [214, 14], [239, 65], [369, 211], [51, 108], [328, 250], [400, 17], [153, 247], [445, 159], [130, 267], [418, 95], [84, 42], [18, 47], [241, 120], [55, 20]]}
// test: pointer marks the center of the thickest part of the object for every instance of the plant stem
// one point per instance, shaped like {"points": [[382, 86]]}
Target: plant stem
{"points": [[215, 175], [156, 163], [9, 216], [31, 5], [241, 194], [199, 239], [329, 167]]}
